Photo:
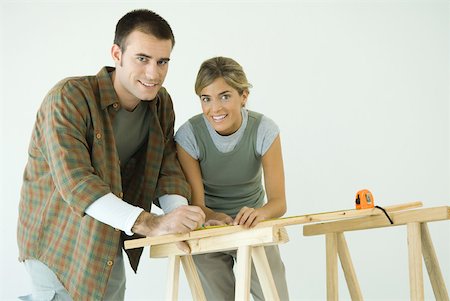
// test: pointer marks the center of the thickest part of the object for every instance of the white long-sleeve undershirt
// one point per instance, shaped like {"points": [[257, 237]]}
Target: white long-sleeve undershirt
{"points": [[115, 212]]}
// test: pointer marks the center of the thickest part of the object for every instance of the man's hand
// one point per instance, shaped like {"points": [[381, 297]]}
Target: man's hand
{"points": [[181, 220]]}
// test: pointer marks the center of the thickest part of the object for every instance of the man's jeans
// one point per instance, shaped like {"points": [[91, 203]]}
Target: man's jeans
{"points": [[47, 287]]}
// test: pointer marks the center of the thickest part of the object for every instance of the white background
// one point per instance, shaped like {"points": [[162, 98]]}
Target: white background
{"points": [[360, 90]]}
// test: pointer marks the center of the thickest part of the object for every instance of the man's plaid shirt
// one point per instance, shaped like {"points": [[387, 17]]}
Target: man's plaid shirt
{"points": [[72, 161]]}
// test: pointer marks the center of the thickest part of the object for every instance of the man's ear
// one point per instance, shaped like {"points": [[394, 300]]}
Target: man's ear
{"points": [[116, 53]]}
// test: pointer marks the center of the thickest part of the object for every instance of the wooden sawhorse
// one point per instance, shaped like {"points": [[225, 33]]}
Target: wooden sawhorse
{"points": [[419, 245], [249, 245]]}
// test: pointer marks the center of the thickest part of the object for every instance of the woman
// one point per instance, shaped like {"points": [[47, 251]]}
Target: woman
{"points": [[223, 152]]}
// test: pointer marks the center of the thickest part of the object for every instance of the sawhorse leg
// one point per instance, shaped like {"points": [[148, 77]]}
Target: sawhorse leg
{"points": [[336, 245], [264, 274], [245, 254], [331, 261], [347, 267], [243, 271], [415, 262], [420, 244], [191, 276], [432, 264], [173, 278]]}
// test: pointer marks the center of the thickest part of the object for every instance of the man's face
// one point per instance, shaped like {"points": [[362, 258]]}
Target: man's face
{"points": [[141, 68]]}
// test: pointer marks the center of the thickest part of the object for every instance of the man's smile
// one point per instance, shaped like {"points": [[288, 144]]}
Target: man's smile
{"points": [[148, 85]]}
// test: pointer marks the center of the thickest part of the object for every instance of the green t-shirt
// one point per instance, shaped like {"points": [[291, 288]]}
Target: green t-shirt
{"points": [[231, 180], [130, 131]]}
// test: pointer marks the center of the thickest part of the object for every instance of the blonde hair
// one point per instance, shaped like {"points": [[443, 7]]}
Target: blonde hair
{"points": [[224, 67]]}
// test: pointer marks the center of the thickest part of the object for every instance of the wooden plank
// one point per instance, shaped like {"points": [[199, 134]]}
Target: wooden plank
{"points": [[193, 279], [252, 237], [415, 262], [332, 272], [399, 218], [403, 206], [173, 278], [432, 264], [243, 271], [337, 215], [264, 274], [347, 267], [286, 221]]}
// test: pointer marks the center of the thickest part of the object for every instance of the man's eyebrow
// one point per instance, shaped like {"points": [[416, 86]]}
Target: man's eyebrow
{"points": [[144, 55], [149, 57]]}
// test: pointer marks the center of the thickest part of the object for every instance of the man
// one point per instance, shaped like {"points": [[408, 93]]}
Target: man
{"points": [[101, 152]]}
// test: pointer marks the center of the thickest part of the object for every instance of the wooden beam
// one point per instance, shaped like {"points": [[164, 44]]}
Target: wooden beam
{"points": [[286, 221], [432, 264], [264, 274], [337, 215], [173, 278], [347, 267], [399, 218], [243, 271], [332, 271], [193, 279], [252, 237], [415, 262]]}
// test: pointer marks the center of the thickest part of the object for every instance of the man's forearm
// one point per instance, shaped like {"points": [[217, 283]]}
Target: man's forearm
{"points": [[113, 211], [147, 224]]}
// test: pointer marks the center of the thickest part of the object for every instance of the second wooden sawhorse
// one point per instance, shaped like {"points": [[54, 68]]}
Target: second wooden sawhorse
{"points": [[419, 245]]}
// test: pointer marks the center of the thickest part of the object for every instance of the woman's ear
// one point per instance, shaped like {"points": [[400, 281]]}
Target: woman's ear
{"points": [[244, 98]]}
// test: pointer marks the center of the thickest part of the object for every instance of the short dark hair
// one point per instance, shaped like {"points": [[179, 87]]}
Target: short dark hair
{"points": [[143, 20]]}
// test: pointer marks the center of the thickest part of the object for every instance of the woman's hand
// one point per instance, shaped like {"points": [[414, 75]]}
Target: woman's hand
{"points": [[249, 217], [218, 219]]}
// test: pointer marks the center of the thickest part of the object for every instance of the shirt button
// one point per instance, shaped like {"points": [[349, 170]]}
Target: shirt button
{"points": [[110, 263], [121, 195], [117, 230], [98, 135], [115, 105]]}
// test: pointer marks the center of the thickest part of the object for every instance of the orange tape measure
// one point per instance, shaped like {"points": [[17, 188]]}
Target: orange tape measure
{"points": [[364, 199]]}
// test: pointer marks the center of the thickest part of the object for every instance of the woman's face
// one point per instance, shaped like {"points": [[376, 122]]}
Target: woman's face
{"points": [[222, 105]]}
